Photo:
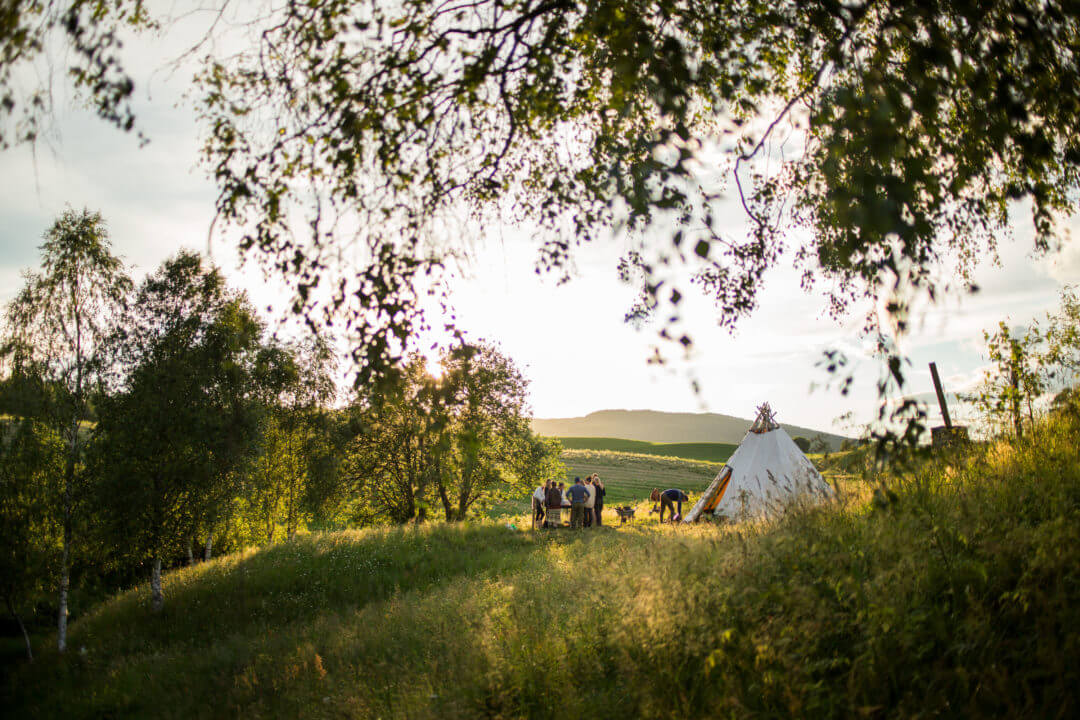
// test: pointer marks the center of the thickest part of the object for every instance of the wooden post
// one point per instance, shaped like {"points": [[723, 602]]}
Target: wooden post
{"points": [[940, 395]]}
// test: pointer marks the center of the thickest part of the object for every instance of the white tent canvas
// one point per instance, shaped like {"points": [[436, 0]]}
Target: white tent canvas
{"points": [[765, 474]]}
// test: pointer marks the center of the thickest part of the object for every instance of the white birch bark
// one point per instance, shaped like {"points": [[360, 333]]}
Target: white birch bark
{"points": [[62, 614], [26, 635], [209, 546], [157, 601]]}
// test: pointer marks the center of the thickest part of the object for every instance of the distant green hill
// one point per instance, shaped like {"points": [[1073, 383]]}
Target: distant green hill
{"points": [[651, 426], [708, 452]]}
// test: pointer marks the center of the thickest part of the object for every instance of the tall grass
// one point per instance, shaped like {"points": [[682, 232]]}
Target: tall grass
{"points": [[955, 595]]}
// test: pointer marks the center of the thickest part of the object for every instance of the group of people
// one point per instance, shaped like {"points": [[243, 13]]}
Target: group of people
{"points": [[584, 499]]}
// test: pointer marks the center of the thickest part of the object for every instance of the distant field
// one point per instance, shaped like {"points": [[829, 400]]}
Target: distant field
{"points": [[708, 452]]}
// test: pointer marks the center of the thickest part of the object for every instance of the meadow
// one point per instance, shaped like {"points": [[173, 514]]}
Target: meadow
{"points": [[706, 452], [951, 588]]}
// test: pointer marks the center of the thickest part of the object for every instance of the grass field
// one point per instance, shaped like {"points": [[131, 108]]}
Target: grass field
{"points": [[707, 452], [952, 591]]}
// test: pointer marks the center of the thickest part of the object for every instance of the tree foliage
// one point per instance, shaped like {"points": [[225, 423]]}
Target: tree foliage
{"points": [[460, 440], [897, 132], [53, 339], [88, 31], [295, 474], [31, 468], [181, 420], [1028, 363], [1016, 378]]}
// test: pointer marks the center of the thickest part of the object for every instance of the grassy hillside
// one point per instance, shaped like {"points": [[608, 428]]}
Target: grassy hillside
{"points": [[708, 452], [664, 427], [956, 593]]}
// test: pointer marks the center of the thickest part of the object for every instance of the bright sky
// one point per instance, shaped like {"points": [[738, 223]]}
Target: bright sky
{"points": [[578, 353]]}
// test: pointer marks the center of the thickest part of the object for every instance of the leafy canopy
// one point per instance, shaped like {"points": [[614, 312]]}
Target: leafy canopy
{"points": [[897, 132], [347, 138]]}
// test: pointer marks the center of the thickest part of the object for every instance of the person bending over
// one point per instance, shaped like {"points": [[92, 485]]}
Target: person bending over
{"points": [[668, 500]]}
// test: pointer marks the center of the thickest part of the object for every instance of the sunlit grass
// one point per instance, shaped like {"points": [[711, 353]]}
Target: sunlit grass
{"points": [[954, 596]]}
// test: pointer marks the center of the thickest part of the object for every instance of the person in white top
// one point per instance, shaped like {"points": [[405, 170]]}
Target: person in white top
{"points": [[538, 498], [590, 502]]}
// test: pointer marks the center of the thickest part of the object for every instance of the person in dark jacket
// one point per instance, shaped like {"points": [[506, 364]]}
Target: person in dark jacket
{"points": [[554, 505], [668, 500]]}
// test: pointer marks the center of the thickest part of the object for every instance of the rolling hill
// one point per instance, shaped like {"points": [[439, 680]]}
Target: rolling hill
{"points": [[663, 427]]}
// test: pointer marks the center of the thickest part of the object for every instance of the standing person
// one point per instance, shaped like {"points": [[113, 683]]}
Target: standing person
{"points": [[577, 493], [668, 500], [554, 506], [565, 500], [590, 502], [539, 498], [598, 509]]}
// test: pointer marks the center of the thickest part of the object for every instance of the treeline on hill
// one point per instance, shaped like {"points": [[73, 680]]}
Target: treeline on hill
{"points": [[145, 425]]}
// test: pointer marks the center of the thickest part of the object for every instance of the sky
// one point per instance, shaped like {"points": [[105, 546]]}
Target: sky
{"points": [[570, 339]]}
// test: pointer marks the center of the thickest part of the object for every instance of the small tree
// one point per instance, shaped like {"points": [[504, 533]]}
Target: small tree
{"points": [[490, 447], [295, 382], [401, 437], [1016, 378], [459, 440], [802, 443], [1062, 338], [54, 328]]}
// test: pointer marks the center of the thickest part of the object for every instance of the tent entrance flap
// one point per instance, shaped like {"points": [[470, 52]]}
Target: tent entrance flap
{"points": [[710, 506], [712, 495]]}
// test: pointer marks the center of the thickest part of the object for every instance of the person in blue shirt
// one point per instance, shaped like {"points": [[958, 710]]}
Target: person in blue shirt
{"points": [[578, 494], [668, 501]]}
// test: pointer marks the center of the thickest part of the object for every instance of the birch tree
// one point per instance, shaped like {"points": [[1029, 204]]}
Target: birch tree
{"points": [[55, 325]]}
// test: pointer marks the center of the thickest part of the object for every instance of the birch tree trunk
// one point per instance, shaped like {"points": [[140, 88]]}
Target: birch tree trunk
{"points": [[62, 613], [190, 552], [1014, 383], [69, 480], [26, 635], [209, 546], [157, 601]]}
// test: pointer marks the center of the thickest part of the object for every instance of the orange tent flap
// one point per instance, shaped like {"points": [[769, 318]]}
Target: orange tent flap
{"points": [[715, 500]]}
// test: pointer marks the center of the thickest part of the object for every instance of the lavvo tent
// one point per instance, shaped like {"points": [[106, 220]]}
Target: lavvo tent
{"points": [[765, 474]]}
